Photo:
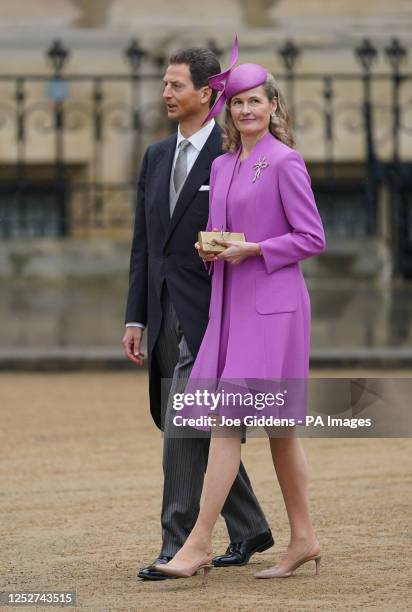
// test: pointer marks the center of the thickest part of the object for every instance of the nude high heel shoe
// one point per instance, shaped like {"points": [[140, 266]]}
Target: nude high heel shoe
{"points": [[186, 572], [277, 571]]}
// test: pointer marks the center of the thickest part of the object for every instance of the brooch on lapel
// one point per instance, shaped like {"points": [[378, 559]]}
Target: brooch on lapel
{"points": [[259, 166]]}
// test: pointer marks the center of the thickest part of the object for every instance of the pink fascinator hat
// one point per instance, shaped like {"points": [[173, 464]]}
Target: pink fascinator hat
{"points": [[234, 80]]}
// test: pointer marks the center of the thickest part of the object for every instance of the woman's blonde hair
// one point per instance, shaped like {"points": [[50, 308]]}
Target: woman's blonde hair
{"points": [[279, 125]]}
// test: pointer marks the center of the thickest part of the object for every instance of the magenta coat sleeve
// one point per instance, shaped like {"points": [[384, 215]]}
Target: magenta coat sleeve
{"points": [[306, 237]]}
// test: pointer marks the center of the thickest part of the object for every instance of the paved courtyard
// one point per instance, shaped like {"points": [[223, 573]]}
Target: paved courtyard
{"points": [[80, 483]]}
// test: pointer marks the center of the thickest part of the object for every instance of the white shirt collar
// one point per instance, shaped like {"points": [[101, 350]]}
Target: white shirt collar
{"points": [[198, 139]]}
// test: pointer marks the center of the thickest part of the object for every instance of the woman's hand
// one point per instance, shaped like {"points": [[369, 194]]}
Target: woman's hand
{"points": [[206, 255], [237, 251]]}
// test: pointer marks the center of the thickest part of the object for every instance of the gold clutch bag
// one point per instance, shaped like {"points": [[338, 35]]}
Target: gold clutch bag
{"points": [[207, 240]]}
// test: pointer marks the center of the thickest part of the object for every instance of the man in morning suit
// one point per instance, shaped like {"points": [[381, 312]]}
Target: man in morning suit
{"points": [[169, 292]]}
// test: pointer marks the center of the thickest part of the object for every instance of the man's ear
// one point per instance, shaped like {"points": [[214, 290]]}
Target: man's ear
{"points": [[206, 94]]}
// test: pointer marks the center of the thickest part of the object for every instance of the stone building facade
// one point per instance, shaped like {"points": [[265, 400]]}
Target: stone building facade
{"points": [[73, 138]]}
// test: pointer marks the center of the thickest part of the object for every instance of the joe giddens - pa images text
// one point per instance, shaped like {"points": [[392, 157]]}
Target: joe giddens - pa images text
{"points": [[264, 421]]}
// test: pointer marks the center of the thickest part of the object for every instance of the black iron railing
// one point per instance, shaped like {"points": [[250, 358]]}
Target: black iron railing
{"points": [[73, 135]]}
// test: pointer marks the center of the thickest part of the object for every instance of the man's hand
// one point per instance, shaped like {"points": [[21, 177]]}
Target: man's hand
{"points": [[131, 343]]}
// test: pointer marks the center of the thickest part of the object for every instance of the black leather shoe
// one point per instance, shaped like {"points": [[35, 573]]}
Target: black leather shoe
{"points": [[148, 573], [239, 553]]}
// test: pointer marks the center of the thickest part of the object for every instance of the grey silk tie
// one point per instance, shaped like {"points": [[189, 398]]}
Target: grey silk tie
{"points": [[180, 171]]}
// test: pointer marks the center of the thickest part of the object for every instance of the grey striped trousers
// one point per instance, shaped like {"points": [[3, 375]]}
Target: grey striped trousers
{"points": [[185, 459]]}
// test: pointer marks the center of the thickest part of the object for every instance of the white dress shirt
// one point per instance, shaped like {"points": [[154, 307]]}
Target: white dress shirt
{"points": [[197, 141]]}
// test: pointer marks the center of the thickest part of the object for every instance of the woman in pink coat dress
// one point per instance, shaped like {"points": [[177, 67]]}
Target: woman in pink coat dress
{"points": [[259, 326]]}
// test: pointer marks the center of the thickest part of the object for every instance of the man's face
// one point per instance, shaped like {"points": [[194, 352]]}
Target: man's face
{"points": [[181, 98]]}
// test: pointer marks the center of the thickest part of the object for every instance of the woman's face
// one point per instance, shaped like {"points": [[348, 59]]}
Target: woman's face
{"points": [[251, 111]]}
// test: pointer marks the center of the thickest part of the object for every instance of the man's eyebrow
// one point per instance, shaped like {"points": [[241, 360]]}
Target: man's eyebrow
{"points": [[165, 81]]}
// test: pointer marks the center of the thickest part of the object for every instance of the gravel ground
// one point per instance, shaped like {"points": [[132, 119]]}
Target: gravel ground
{"points": [[80, 498]]}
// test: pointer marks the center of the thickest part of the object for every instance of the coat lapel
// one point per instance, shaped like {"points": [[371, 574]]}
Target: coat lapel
{"points": [[222, 188], [161, 178], [197, 176]]}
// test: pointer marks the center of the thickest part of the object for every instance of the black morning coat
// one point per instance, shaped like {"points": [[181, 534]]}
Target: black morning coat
{"points": [[163, 251]]}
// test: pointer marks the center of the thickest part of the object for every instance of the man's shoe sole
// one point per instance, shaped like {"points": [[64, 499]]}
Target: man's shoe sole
{"points": [[264, 547], [258, 550]]}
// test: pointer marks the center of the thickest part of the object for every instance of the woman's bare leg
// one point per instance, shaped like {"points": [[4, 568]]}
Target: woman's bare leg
{"points": [[291, 468], [222, 468]]}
